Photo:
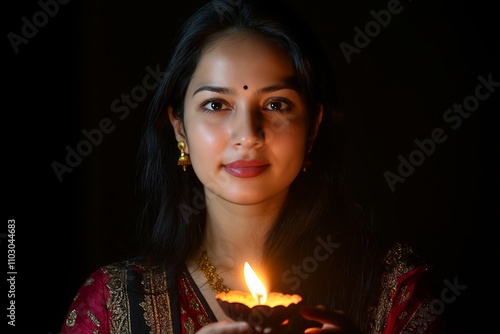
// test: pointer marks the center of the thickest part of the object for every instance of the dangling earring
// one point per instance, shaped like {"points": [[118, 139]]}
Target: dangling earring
{"points": [[307, 160], [184, 158]]}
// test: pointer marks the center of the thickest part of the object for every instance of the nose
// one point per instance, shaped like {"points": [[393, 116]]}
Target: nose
{"points": [[248, 129]]}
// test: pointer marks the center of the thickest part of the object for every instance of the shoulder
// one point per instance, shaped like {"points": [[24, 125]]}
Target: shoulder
{"points": [[120, 275], [402, 262], [123, 272], [405, 295], [103, 300]]}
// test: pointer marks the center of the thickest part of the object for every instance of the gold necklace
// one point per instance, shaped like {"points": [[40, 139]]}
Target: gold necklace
{"points": [[209, 271]]}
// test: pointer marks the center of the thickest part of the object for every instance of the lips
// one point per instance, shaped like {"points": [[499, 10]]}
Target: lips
{"points": [[246, 168]]}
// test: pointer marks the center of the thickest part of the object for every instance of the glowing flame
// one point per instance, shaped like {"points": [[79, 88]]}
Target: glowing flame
{"points": [[255, 285]]}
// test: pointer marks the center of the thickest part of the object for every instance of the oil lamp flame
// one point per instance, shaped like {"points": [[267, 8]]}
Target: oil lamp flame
{"points": [[255, 285]]}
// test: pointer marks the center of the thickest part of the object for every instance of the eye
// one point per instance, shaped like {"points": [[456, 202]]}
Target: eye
{"points": [[275, 105], [213, 105], [280, 105]]}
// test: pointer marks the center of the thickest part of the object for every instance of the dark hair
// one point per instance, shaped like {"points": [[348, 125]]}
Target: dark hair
{"points": [[318, 203]]}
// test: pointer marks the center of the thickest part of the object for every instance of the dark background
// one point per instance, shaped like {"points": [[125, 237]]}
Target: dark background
{"points": [[64, 79]]}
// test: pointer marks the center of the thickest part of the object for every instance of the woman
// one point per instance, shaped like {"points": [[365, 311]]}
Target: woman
{"points": [[243, 161]]}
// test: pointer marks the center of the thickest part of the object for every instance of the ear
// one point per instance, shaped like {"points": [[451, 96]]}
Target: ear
{"points": [[178, 126], [317, 122]]}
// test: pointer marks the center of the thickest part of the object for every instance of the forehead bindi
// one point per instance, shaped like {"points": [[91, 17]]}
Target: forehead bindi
{"points": [[242, 62]]}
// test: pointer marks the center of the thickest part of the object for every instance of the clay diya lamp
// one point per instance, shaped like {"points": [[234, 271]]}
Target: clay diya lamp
{"points": [[257, 307]]}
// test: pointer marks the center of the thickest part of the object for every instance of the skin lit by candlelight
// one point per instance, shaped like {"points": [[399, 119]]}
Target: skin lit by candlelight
{"points": [[255, 285]]}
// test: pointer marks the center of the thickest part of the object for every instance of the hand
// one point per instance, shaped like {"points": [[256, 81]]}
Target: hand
{"points": [[333, 321], [226, 327]]}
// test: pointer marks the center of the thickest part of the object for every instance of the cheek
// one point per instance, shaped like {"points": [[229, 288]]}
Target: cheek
{"points": [[288, 145], [204, 141], [292, 151], [292, 129]]}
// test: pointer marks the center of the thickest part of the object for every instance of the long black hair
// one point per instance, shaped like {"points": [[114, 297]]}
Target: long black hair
{"points": [[318, 217]]}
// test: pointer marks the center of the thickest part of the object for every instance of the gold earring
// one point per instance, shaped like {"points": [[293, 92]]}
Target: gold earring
{"points": [[184, 158]]}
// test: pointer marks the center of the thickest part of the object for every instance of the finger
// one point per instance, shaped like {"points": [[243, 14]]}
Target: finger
{"points": [[226, 327], [321, 314], [333, 321], [323, 330]]}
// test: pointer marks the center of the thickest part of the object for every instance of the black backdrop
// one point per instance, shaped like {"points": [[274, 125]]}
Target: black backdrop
{"points": [[72, 68]]}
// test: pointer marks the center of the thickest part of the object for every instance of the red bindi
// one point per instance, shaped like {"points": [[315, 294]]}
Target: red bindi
{"points": [[245, 87]]}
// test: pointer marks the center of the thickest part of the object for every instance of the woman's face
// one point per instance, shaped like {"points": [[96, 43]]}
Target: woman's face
{"points": [[245, 123]]}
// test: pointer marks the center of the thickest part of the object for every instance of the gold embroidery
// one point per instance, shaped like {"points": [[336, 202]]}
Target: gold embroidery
{"points": [[194, 301], [420, 320], [71, 319], [89, 281], [189, 326], [76, 296], [194, 304], [202, 320], [118, 302], [93, 318], [156, 303], [396, 266], [405, 294]]}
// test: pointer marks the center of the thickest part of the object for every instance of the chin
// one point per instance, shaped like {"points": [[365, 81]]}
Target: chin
{"points": [[254, 196]]}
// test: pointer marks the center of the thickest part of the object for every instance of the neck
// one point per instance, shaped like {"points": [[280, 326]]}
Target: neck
{"points": [[235, 234]]}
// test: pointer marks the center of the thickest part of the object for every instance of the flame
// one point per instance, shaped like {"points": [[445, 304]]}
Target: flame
{"points": [[255, 285]]}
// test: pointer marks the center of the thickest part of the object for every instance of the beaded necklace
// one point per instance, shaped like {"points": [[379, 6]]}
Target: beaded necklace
{"points": [[209, 271]]}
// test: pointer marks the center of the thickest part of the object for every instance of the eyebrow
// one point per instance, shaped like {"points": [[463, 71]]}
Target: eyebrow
{"points": [[288, 84], [215, 89], [275, 88]]}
